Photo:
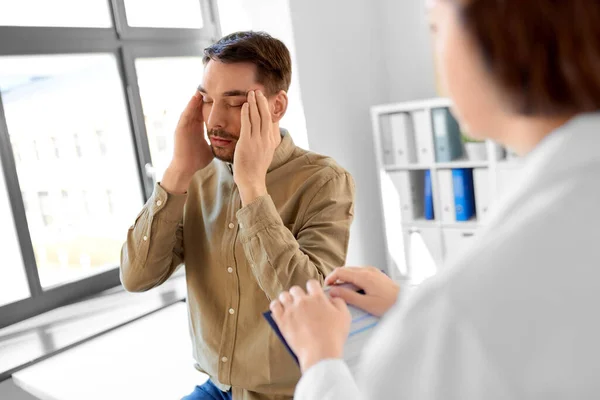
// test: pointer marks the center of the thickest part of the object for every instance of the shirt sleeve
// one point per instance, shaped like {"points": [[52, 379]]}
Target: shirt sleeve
{"points": [[327, 380], [278, 259], [154, 246]]}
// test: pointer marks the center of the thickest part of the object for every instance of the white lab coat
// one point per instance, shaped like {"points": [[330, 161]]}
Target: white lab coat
{"points": [[515, 317]]}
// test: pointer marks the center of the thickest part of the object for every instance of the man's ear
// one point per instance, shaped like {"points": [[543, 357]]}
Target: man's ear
{"points": [[280, 103]]}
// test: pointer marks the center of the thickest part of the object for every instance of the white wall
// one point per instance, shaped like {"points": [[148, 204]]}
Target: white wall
{"points": [[351, 56], [408, 50], [273, 17]]}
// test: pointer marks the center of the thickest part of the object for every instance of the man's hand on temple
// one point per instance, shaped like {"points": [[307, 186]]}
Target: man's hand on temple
{"points": [[255, 148], [192, 152]]}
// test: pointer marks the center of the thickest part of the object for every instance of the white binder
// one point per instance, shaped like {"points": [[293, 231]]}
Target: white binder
{"points": [[387, 142], [481, 180], [411, 190], [403, 138], [423, 137], [446, 195]]}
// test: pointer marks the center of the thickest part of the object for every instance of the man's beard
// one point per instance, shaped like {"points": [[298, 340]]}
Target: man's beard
{"points": [[221, 154]]}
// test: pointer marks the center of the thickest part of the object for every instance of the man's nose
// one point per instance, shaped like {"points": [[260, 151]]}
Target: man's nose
{"points": [[216, 118]]}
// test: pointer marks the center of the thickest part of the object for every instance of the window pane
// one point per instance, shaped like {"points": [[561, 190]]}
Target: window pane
{"points": [[164, 14], [166, 85], [71, 13], [67, 117], [13, 281]]}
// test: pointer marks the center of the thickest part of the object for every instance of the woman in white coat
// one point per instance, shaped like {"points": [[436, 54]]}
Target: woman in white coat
{"points": [[517, 316]]}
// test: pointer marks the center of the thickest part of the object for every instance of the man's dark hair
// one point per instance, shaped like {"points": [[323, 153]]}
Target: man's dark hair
{"points": [[271, 57]]}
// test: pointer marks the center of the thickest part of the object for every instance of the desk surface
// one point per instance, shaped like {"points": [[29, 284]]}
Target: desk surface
{"points": [[147, 359]]}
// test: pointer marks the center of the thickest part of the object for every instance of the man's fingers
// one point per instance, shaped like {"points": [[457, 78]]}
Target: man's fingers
{"points": [[189, 109], [254, 114], [245, 126], [197, 110], [265, 115]]}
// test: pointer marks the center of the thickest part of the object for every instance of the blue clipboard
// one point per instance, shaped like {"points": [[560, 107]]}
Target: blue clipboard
{"points": [[274, 326]]}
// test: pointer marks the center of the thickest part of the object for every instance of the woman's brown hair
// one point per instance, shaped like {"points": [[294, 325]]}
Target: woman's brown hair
{"points": [[545, 54]]}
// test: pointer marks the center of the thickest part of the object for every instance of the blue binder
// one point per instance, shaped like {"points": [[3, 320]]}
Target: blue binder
{"points": [[429, 214], [464, 193], [448, 143]]}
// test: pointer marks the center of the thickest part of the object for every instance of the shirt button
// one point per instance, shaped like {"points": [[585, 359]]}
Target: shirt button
{"points": [[159, 203], [230, 270], [145, 238], [224, 359], [231, 225], [231, 311]]}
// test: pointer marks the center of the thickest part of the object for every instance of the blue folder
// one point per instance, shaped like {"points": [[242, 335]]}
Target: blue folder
{"points": [[464, 193], [429, 214]]}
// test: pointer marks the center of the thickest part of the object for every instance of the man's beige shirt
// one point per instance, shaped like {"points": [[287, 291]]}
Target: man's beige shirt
{"points": [[238, 259]]}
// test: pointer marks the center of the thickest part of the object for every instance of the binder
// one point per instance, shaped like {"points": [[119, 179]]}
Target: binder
{"points": [[464, 194], [387, 144], [429, 213], [446, 195], [411, 187], [481, 180], [403, 138], [423, 136], [447, 136]]}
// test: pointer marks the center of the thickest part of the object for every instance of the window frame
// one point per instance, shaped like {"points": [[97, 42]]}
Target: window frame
{"points": [[126, 44]]}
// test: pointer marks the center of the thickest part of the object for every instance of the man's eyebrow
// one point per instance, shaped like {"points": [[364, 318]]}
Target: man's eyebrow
{"points": [[229, 93], [235, 93]]}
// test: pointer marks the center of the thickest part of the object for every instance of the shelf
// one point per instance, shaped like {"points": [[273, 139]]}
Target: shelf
{"points": [[470, 224], [410, 106], [512, 163], [462, 164], [406, 151], [421, 223], [410, 167], [473, 223], [444, 165]]}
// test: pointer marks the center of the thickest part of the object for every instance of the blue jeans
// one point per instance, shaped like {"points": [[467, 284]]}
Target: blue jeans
{"points": [[208, 391]]}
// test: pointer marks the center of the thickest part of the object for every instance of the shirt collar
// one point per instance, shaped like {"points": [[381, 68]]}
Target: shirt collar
{"points": [[284, 151]]}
